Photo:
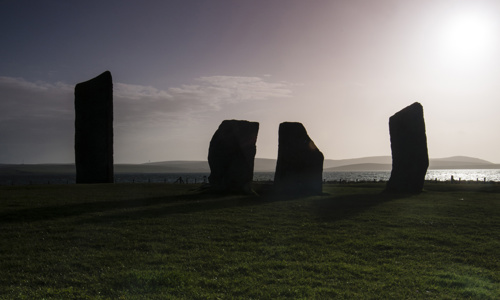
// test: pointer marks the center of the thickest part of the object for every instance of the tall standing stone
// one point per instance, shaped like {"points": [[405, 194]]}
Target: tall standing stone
{"points": [[410, 159], [299, 169], [94, 130], [231, 155]]}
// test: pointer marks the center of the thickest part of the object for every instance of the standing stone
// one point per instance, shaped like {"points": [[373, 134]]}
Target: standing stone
{"points": [[231, 155], [299, 169], [94, 130], [410, 159]]}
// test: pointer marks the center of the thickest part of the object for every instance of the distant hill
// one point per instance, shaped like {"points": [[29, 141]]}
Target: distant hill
{"points": [[180, 166], [377, 160], [374, 163], [22, 169], [464, 159], [265, 165], [177, 166], [384, 163], [360, 167]]}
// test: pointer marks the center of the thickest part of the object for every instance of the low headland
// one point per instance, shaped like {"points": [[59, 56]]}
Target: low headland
{"points": [[373, 163]]}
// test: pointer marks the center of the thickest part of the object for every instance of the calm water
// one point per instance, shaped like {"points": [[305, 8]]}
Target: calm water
{"points": [[440, 175]]}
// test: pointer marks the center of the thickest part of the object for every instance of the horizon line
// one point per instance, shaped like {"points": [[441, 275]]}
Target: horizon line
{"points": [[206, 160]]}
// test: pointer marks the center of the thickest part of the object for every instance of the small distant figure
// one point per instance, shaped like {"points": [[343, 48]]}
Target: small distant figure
{"points": [[452, 179], [204, 179], [179, 180]]}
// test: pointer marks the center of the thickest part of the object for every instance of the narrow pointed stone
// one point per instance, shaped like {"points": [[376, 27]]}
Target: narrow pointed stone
{"points": [[410, 159]]}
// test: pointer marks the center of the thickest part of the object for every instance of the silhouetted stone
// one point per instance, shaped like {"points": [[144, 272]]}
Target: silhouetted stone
{"points": [[410, 159], [231, 155], [94, 130], [299, 169]]}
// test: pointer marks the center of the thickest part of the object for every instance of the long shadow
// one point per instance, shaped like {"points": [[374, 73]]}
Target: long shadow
{"points": [[329, 208], [340, 207], [75, 209], [179, 208], [142, 207]]}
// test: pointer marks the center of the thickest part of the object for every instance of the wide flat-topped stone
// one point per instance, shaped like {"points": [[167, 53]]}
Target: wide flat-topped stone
{"points": [[231, 155]]}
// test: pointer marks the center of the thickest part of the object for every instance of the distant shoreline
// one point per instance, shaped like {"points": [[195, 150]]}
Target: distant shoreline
{"points": [[459, 175], [365, 164]]}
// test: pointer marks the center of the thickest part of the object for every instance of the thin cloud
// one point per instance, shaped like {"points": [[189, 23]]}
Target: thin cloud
{"points": [[36, 121], [35, 112], [135, 103], [22, 99], [234, 89], [134, 91]]}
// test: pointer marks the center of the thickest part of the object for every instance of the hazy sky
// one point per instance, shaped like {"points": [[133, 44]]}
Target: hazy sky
{"points": [[180, 68]]}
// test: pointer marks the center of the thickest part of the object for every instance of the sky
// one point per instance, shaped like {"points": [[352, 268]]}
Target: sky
{"points": [[181, 67]]}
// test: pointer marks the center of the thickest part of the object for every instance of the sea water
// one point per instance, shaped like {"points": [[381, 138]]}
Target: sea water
{"points": [[467, 175], [358, 176]]}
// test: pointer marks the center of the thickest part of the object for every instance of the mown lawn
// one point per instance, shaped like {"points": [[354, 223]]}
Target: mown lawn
{"points": [[160, 241]]}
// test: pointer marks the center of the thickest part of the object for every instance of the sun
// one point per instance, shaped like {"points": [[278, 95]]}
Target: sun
{"points": [[467, 38]]}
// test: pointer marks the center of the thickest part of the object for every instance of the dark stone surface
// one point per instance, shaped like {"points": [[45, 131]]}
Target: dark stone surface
{"points": [[410, 159], [94, 130], [299, 169], [231, 155]]}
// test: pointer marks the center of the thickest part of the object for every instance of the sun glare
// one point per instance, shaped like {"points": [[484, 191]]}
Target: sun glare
{"points": [[467, 39]]}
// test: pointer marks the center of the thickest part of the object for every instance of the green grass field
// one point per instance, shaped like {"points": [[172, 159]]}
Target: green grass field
{"points": [[157, 241]]}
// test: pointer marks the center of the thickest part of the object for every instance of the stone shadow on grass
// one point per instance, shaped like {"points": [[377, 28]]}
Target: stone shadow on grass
{"points": [[329, 208], [130, 208], [344, 206], [184, 204], [332, 208]]}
